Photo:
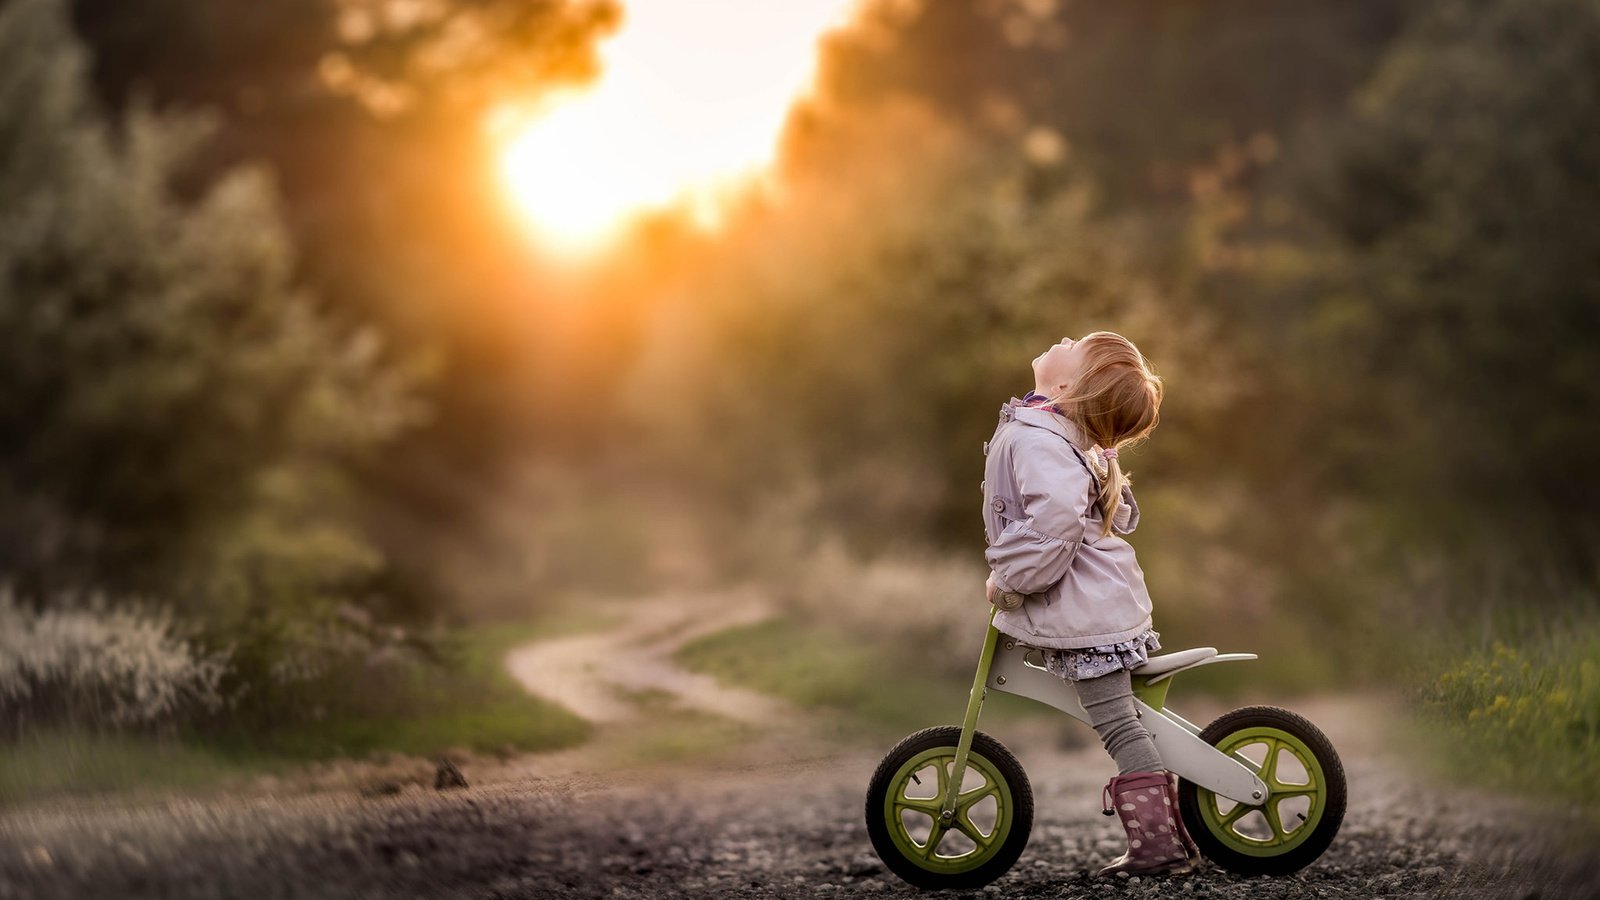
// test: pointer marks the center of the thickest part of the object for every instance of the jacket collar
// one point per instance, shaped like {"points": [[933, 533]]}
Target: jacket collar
{"points": [[1040, 417]]}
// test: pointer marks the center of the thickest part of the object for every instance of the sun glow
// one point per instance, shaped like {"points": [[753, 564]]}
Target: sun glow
{"points": [[688, 107]]}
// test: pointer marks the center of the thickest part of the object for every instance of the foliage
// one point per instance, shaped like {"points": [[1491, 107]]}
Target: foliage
{"points": [[1524, 714], [1448, 275], [1138, 94], [87, 665], [385, 707], [399, 703], [371, 114], [177, 416], [392, 56]]}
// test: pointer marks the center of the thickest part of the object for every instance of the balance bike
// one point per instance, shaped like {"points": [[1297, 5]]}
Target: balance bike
{"points": [[1261, 789]]}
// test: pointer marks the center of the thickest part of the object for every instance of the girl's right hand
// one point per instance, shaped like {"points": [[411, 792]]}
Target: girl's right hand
{"points": [[997, 597]]}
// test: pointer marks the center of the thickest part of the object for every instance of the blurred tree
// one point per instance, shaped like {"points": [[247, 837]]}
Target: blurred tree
{"points": [[1138, 93], [1453, 307], [177, 417], [373, 115]]}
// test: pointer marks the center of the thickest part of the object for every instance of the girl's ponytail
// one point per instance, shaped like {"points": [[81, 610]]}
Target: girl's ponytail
{"points": [[1110, 498]]}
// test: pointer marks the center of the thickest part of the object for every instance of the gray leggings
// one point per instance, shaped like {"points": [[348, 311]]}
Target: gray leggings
{"points": [[1109, 702]]}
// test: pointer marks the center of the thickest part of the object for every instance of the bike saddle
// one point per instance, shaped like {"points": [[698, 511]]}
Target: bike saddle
{"points": [[1167, 662]]}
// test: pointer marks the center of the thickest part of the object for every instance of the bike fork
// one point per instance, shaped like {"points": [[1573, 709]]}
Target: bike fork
{"points": [[969, 724]]}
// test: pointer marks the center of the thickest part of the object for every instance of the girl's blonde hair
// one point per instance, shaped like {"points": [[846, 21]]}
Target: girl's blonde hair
{"points": [[1115, 402]]}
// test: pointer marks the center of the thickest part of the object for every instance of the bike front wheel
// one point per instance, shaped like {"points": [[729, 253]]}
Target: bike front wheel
{"points": [[985, 836]]}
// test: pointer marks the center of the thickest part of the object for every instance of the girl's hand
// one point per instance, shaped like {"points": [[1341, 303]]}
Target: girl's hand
{"points": [[997, 597]]}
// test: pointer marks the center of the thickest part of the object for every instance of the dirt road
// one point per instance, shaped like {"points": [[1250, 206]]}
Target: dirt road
{"points": [[779, 814], [597, 675]]}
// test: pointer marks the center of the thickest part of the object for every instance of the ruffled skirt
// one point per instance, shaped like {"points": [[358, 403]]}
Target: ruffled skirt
{"points": [[1091, 662]]}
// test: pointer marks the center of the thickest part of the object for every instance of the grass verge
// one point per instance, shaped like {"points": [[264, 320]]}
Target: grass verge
{"points": [[1523, 714], [472, 703], [869, 685]]}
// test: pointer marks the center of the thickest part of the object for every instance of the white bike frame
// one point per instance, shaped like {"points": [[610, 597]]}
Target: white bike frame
{"points": [[1012, 667]]}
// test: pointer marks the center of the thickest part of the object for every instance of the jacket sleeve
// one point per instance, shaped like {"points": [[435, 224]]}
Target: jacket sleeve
{"points": [[1127, 514], [1034, 552]]}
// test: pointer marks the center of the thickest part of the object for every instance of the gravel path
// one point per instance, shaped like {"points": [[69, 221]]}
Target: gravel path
{"points": [[582, 673], [778, 814]]}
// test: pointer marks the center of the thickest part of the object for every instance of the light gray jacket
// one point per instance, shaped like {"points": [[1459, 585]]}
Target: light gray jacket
{"points": [[1043, 526]]}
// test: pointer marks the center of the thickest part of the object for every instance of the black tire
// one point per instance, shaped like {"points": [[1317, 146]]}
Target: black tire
{"points": [[1009, 770], [1313, 846]]}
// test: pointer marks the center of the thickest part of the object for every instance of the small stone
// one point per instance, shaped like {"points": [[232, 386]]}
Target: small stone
{"points": [[447, 776], [1133, 880]]}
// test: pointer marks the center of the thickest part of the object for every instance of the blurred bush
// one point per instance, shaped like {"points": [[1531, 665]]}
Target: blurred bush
{"points": [[85, 664], [1524, 713]]}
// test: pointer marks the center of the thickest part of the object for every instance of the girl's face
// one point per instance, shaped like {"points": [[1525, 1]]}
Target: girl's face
{"points": [[1058, 367]]}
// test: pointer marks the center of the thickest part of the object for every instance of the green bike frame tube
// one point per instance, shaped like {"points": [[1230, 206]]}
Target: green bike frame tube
{"points": [[969, 724]]}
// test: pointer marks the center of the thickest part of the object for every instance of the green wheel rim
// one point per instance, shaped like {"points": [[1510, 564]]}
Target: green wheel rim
{"points": [[907, 794], [1280, 837]]}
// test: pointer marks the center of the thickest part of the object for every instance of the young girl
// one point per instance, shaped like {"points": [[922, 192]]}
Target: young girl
{"points": [[1056, 503]]}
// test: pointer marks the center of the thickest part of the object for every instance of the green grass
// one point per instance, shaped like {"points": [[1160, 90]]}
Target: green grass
{"points": [[1522, 714], [672, 734], [59, 762], [472, 703], [869, 683]]}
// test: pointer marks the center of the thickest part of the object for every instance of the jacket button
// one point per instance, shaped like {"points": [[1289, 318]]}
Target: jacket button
{"points": [[999, 505]]}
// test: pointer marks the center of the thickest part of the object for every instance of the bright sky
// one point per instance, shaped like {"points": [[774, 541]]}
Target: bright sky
{"points": [[689, 102]]}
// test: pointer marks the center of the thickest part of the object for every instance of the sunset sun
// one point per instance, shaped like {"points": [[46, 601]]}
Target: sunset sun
{"points": [[688, 106]]}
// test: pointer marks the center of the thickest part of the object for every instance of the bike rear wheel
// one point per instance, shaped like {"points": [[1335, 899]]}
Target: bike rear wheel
{"points": [[1304, 807]]}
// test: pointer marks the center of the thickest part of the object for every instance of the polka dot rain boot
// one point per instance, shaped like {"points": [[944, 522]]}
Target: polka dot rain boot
{"points": [[1189, 847], [1143, 803]]}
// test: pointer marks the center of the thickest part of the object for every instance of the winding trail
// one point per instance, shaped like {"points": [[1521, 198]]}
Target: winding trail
{"points": [[602, 677]]}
